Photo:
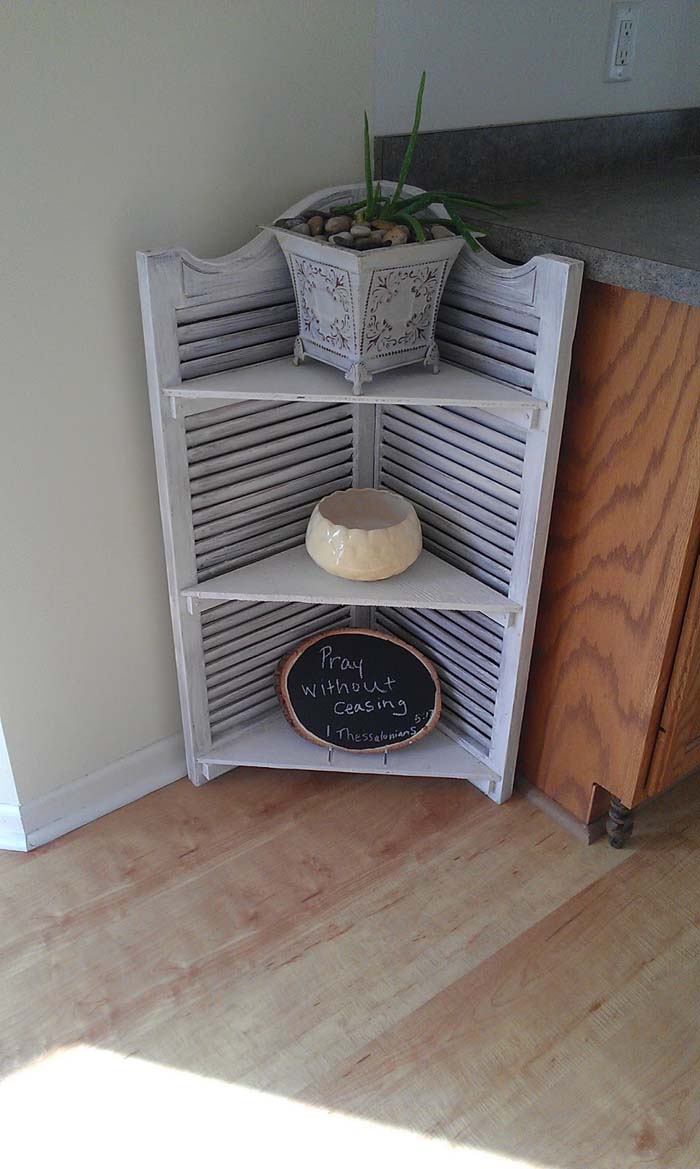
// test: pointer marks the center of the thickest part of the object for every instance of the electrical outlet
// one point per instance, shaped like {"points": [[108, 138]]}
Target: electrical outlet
{"points": [[622, 41]]}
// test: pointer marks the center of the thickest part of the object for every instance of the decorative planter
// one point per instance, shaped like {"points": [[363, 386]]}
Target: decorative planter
{"points": [[367, 311], [364, 534]]}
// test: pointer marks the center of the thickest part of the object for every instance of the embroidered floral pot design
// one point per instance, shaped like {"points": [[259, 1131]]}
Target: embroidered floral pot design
{"points": [[369, 311]]}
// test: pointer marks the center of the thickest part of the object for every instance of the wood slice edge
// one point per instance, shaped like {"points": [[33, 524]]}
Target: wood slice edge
{"points": [[286, 663]]}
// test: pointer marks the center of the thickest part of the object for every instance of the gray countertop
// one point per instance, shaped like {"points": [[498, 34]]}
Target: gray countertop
{"points": [[638, 228], [621, 192]]}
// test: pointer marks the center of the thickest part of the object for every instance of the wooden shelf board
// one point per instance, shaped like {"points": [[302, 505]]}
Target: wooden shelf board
{"points": [[430, 583], [281, 380], [273, 743]]}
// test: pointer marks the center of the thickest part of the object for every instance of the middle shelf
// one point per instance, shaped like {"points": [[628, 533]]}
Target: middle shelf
{"points": [[430, 583]]}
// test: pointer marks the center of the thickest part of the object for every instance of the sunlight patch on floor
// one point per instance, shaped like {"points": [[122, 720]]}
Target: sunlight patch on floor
{"points": [[85, 1106]]}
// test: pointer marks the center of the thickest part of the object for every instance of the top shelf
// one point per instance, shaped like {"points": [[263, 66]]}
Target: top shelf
{"points": [[281, 380]]}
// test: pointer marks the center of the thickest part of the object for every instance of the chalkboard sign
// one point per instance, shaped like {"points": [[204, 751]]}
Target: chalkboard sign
{"points": [[360, 690]]}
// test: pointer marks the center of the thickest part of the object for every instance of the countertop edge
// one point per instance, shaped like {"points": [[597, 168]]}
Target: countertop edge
{"points": [[621, 269]]}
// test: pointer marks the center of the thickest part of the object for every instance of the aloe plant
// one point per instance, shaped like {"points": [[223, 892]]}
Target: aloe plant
{"points": [[410, 211]]}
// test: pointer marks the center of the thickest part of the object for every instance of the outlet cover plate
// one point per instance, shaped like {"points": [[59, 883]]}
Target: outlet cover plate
{"points": [[622, 41]]}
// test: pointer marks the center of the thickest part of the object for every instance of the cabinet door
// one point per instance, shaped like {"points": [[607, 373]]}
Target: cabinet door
{"points": [[677, 750], [623, 539]]}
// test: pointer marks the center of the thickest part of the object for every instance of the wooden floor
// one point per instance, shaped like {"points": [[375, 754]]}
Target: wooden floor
{"points": [[355, 965]]}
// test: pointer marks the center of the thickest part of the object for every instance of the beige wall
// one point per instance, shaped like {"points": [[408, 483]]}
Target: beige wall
{"points": [[498, 61], [127, 124], [130, 124], [8, 791]]}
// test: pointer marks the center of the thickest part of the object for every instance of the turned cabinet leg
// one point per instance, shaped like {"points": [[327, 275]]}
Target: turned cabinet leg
{"points": [[620, 823]]}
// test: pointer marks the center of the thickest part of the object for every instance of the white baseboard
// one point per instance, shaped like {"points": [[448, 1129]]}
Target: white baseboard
{"points": [[47, 817], [12, 834]]}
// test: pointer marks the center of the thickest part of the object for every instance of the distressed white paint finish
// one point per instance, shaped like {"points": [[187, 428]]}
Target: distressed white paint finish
{"points": [[278, 380], [556, 300], [516, 304], [474, 448], [161, 287], [466, 651], [430, 583], [243, 644], [273, 743], [342, 297]]}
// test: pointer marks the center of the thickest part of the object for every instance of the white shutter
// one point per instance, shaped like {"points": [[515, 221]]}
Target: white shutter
{"points": [[255, 471], [244, 455]]}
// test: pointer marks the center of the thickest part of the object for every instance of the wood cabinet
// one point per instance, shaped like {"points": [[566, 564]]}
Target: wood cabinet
{"points": [[613, 703], [677, 749]]}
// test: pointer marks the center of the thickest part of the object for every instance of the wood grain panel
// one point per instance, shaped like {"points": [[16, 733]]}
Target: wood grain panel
{"points": [[622, 545], [677, 751]]}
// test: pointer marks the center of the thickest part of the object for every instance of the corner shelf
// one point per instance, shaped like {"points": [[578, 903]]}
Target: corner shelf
{"points": [[246, 444], [430, 583], [278, 380], [272, 743]]}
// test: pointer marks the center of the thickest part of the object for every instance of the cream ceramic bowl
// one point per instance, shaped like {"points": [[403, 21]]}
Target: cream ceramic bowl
{"points": [[364, 534]]}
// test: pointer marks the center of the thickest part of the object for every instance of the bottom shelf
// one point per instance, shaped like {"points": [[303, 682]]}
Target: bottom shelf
{"points": [[273, 743]]}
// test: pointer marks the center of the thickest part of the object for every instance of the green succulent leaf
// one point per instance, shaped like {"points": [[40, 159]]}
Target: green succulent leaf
{"points": [[369, 178], [461, 227], [348, 208], [404, 210], [460, 198], [412, 222], [408, 155], [416, 202]]}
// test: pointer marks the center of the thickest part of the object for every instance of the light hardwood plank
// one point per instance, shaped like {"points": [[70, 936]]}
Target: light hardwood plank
{"points": [[393, 950]]}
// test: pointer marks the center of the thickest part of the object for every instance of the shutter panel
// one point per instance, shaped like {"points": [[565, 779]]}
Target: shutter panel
{"points": [[462, 470], [243, 644], [466, 651], [496, 339], [256, 470], [229, 334]]}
